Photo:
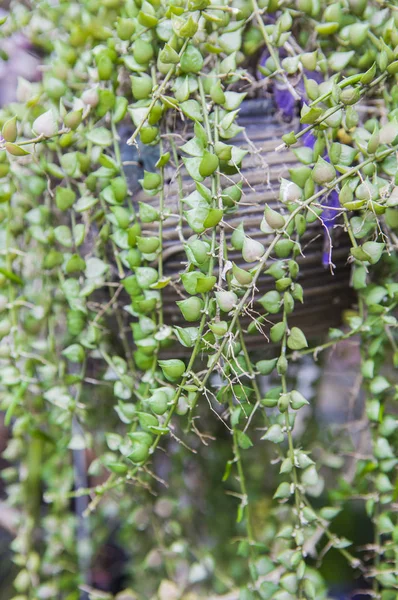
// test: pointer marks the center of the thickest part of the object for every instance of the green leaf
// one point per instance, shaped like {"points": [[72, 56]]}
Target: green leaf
{"points": [[173, 368], [95, 268], [370, 252], [121, 239], [233, 100], [238, 154], [205, 284], [122, 389], [213, 218], [374, 294], [147, 421], [199, 209], [151, 181], [190, 280], [373, 250], [204, 191], [339, 60], [277, 332], [193, 147], [75, 264], [70, 164], [161, 283], [296, 339], [9, 130], [113, 441], [148, 214], [79, 233], [163, 160], [146, 276], [304, 155], [231, 132], [271, 301], [168, 55], [369, 76], [265, 367], [192, 110], [54, 170], [243, 440], [187, 336], [289, 138], [191, 60], [192, 166], [181, 89], [64, 198], [60, 397], [156, 430], [228, 119], [200, 133], [15, 150], [197, 283], [227, 471], [231, 41], [63, 235], [85, 203], [191, 308], [11, 276], [100, 136], [311, 115], [379, 385], [228, 65], [125, 412], [342, 154], [120, 109], [283, 491], [74, 353]]}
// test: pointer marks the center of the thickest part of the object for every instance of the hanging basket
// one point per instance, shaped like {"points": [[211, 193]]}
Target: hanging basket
{"points": [[326, 288]]}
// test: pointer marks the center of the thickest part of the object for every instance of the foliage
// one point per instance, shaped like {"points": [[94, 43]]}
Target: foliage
{"points": [[87, 358]]}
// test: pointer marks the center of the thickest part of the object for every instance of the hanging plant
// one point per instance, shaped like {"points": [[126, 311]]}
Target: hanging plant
{"points": [[150, 282]]}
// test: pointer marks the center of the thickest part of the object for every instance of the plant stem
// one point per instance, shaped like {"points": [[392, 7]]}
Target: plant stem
{"points": [[180, 188], [331, 110], [270, 47]]}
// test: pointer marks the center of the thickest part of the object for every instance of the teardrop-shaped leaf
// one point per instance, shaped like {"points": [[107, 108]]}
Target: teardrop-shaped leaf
{"points": [[296, 339]]}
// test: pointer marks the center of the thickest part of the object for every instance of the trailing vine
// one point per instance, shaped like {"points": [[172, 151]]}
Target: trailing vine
{"points": [[99, 383]]}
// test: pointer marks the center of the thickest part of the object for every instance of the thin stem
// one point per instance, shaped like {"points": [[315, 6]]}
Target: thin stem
{"points": [[160, 231], [316, 349], [253, 380], [355, 245], [245, 504], [377, 544], [297, 493], [180, 188], [242, 483], [271, 49], [345, 83]]}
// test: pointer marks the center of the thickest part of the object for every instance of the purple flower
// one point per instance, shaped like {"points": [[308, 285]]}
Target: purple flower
{"points": [[285, 102]]}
